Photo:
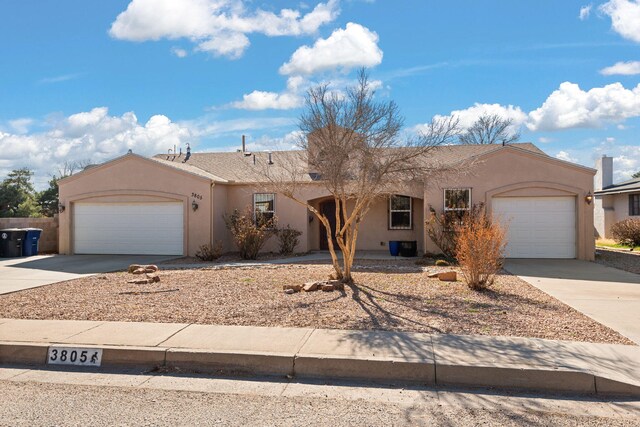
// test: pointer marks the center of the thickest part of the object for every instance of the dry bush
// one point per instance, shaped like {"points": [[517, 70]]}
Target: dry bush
{"points": [[288, 239], [248, 234], [627, 232], [479, 249], [209, 252], [442, 235]]}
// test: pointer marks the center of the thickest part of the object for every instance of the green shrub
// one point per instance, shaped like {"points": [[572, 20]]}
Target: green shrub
{"points": [[627, 232], [209, 252], [288, 239], [249, 235], [442, 263]]}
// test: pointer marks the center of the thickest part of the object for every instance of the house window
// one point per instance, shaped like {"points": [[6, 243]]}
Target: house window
{"points": [[264, 207], [400, 213], [457, 203], [634, 204]]}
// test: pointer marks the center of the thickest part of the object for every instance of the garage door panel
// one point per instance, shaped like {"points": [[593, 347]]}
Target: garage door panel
{"points": [[129, 228], [538, 227]]}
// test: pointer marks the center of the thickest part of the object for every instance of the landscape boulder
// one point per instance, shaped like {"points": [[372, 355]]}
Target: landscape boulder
{"points": [[294, 288], [447, 276], [310, 286]]}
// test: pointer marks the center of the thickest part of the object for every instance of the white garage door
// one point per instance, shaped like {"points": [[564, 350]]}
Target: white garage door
{"points": [[538, 227], [128, 228]]}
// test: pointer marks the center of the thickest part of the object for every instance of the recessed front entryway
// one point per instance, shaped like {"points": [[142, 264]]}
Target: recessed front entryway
{"points": [[538, 227], [150, 228]]}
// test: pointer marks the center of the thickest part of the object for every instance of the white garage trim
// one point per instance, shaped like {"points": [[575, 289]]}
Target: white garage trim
{"points": [[538, 227], [149, 228]]}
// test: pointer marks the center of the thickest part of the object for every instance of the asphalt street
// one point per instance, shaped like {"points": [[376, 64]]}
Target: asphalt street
{"points": [[62, 398]]}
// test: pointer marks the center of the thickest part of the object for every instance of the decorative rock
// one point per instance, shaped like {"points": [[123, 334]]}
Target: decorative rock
{"points": [[327, 287], [151, 267], [154, 278], [447, 276], [310, 286], [289, 291], [294, 288], [433, 275], [134, 267], [337, 285], [140, 270]]}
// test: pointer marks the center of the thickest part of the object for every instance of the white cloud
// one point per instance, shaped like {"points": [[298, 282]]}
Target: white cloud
{"points": [[354, 46], [261, 100], [563, 155], [21, 125], [628, 68], [585, 11], [571, 107], [59, 79], [626, 158], [180, 53], [469, 115], [93, 135], [269, 143], [545, 140], [219, 27], [625, 17]]}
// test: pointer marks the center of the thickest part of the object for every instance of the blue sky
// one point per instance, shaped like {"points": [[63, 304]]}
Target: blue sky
{"points": [[86, 80]]}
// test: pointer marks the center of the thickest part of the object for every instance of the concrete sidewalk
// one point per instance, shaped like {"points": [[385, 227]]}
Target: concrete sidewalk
{"points": [[608, 295], [449, 360]]}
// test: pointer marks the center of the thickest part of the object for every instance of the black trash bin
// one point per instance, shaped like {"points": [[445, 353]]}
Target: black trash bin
{"points": [[408, 248], [11, 240], [31, 241]]}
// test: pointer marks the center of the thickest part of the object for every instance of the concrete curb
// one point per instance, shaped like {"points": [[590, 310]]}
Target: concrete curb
{"points": [[385, 370]]}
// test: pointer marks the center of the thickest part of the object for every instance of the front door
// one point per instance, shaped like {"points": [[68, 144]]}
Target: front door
{"points": [[328, 209]]}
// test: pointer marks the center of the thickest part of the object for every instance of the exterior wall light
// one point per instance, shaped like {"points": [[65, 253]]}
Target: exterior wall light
{"points": [[61, 207], [588, 198], [194, 206]]}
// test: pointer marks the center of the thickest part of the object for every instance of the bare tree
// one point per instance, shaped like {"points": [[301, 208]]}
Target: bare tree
{"points": [[353, 145], [490, 129], [69, 167]]}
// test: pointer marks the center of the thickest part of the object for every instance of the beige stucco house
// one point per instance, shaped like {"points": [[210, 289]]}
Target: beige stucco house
{"points": [[613, 202], [170, 204]]}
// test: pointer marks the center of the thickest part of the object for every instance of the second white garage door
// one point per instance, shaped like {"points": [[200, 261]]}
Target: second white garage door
{"points": [[538, 227], [128, 228]]}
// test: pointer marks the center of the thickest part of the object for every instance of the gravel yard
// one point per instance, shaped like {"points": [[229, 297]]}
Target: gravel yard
{"points": [[621, 259], [387, 296]]}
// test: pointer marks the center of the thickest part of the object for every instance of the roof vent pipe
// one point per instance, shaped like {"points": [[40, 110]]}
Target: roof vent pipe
{"points": [[188, 153], [270, 158], [244, 148], [180, 155], [254, 159]]}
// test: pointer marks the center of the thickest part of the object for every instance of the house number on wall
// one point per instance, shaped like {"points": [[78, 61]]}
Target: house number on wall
{"points": [[196, 196]]}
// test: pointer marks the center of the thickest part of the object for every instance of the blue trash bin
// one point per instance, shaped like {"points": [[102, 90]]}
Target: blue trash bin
{"points": [[394, 247], [31, 241]]}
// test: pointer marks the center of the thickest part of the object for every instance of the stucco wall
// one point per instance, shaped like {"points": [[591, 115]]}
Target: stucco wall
{"points": [[48, 239], [514, 173], [615, 209], [135, 179]]}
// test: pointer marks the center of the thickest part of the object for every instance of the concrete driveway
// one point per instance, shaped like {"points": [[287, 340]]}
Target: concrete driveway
{"points": [[608, 295], [17, 274]]}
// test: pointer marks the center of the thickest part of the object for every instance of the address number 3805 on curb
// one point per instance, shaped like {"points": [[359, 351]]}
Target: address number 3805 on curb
{"points": [[74, 356]]}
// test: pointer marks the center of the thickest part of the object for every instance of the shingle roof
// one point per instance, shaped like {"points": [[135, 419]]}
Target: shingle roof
{"points": [[624, 187], [239, 168]]}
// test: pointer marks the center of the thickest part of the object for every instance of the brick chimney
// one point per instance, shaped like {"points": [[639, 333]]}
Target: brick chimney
{"points": [[604, 176]]}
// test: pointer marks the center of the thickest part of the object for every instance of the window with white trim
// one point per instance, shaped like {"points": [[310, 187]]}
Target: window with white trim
{"points": [[264, 207], [457, 203], [400, 214]]}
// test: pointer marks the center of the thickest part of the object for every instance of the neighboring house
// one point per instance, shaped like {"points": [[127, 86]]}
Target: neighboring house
{"points": [[613, 202], [172, 205]]}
